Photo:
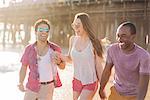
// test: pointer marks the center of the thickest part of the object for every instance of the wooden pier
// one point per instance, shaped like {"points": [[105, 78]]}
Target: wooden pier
{"points": [[105, 14]]}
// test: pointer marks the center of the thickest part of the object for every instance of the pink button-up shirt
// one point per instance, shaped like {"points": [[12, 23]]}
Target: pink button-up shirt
{"points": [[30, 58]]}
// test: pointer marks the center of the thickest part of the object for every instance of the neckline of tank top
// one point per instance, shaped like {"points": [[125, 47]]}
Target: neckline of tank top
{"points": [[80, 51], [48, 51]]}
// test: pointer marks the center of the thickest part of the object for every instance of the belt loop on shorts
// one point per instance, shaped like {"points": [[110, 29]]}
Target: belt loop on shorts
{"points": [[48, 82]]}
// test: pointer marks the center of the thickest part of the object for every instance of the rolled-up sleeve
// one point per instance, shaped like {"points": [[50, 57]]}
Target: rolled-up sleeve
{"points": [[58, 49]]}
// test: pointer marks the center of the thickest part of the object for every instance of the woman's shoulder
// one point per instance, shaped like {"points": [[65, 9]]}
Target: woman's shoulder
{"points": [[73, 38]]}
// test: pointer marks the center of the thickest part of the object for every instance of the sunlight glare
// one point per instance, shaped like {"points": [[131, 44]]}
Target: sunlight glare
{"points": [[5, 3]]}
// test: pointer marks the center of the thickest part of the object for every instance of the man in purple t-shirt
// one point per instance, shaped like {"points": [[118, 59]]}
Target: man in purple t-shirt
{"points": [[131, 64]]}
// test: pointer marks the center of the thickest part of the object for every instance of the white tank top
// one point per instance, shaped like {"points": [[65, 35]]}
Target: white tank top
{"points": [[84, 63], [45, 67]]}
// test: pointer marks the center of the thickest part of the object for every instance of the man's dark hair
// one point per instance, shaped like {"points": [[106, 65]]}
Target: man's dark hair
{"points": [[131, 26], [41, 21]]}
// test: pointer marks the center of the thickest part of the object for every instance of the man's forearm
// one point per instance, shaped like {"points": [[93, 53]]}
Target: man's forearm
{"points": [[143, 86], [105, 77], [22, 75]]}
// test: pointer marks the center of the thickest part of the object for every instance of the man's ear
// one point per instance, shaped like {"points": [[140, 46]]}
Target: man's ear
{"points": [[134, 36]]}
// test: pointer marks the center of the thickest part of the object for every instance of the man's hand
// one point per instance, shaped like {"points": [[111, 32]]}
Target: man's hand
{"points": [[21, 87], [56, 58]]}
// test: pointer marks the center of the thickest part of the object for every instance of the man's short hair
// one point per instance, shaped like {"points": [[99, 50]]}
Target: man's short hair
{"points": [[130, 25], [41, 21]]}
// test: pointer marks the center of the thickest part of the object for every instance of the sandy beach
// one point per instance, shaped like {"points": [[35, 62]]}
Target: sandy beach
{"points": [[9, 71]]}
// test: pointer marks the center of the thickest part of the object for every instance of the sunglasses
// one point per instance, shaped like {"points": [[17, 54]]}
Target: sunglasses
{"points": [[43, 30]]}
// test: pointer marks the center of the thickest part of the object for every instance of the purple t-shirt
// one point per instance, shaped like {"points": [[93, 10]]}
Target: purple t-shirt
{"points": [[128, 67]]}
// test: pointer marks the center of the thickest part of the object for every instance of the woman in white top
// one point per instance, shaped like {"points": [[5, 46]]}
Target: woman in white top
{"points": [[85, 52]]}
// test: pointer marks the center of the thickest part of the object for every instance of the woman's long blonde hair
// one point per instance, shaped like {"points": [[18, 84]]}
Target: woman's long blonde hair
{"points": [[87, 25]]}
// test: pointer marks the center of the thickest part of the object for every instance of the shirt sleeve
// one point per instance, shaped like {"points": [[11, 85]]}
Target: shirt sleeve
{"points": [[58, 49], [25, 57], [109, 56], [145, 65], [55, 47]]}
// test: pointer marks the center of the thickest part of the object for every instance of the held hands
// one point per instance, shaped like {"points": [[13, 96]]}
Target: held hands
{"points": [[64, 58], [102, 94], [21, 87], [56, 58]]}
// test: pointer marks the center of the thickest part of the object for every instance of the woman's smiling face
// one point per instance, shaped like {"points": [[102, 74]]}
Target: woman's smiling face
{"points": [[77, 26]]}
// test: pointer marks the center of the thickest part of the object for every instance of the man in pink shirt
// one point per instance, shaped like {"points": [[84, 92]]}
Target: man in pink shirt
{"points": [[131, 64], [39, 58]]}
